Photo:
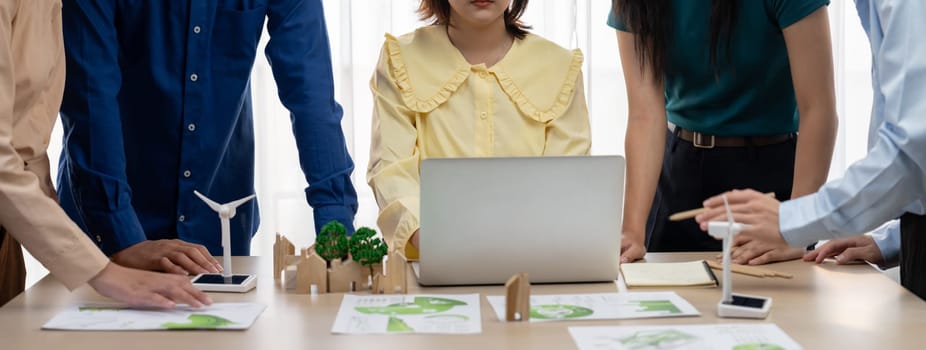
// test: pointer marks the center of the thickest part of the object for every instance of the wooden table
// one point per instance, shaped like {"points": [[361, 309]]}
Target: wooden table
{"points": [[823, 307]]}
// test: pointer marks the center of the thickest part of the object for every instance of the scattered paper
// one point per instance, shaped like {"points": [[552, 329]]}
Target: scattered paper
{"points": [[111, 317], [606, 306], [740, 336], [409, 314]]}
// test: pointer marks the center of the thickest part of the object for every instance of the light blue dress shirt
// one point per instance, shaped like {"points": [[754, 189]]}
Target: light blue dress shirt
{"points": [[887, 238], [891, 180]]}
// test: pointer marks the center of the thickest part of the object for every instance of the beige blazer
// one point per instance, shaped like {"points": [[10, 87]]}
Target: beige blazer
{"points": [[31, 86]]}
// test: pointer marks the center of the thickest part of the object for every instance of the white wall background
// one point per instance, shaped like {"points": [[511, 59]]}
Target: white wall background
{"points": [[356, 30]]}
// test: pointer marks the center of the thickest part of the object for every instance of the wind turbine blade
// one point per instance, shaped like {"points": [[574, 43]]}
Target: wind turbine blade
{"points": [[215, 206], [235, 204]]}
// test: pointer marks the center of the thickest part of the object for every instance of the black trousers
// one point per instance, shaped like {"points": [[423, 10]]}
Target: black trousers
{"points": [[690, 175], [913, 254]]}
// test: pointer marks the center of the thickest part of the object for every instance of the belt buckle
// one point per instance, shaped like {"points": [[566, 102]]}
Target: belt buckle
{"points": [[698, 141]]}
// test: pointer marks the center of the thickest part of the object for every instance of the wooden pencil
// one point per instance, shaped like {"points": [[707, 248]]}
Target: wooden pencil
{"points": [[688, 214]]}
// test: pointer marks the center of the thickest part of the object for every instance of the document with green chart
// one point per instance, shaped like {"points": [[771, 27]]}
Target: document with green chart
{"points": [[604, 306], [110, 317], [408, 314], [738, 336]]}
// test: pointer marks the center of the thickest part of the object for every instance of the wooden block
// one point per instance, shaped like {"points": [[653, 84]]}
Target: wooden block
{"points": [[282, 248], [395, 278], [377, 284], [291, 260], [517, 298], [288, 278], [377, 270], [311, 270], [346, 276]]}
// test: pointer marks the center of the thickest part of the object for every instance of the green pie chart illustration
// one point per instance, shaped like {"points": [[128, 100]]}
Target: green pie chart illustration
{"points": [[397, 325], [559, 311], [756, 346], [199, 321], [421, 306]]}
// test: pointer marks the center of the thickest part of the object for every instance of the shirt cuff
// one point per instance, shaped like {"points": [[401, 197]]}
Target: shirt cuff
{"points": [[114, 231], [328, 213], [77, 264], [798, 224], [887, 238], [85, 263], [405, 230]]}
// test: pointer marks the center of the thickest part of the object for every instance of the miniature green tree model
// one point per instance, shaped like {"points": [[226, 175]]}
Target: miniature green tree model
{"points": [[367, 249], [332, 242]]}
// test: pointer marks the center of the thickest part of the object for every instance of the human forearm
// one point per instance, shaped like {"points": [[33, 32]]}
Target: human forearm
{"points": [[299, 53], [393, 173], [645, 143], [645, 140], [873, 190], [814, 151], [889, 180], [36, 221], [811, 62], [93, 164]]}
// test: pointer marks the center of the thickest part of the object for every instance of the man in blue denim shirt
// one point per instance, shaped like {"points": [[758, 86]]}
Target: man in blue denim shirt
{"points": [[157, 104]]}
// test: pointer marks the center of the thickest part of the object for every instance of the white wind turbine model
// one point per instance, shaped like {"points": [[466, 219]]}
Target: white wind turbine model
{"points": [[735, 305], [226, 282]]}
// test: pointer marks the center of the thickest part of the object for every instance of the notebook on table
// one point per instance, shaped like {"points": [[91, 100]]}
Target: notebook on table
{"points": [[677, 274]]}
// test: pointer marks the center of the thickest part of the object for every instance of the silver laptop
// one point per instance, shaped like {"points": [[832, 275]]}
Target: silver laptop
{"points": [[486, 219]]}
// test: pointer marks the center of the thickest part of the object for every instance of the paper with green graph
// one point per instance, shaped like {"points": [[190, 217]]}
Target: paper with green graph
{"points": [[739, 336], [110, 317], [408, 314], [605, 306]]}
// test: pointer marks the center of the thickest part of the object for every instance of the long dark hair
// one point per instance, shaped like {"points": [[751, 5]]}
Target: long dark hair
{"points": [[649, 21], [438, 12]]}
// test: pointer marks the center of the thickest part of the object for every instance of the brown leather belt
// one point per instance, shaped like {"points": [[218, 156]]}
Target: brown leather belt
{"points": [[700, 140]]}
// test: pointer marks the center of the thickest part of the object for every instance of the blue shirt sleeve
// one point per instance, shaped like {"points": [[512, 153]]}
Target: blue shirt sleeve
{"points": [[887, 238], [300, 57], [93, 158], [890, 180]]}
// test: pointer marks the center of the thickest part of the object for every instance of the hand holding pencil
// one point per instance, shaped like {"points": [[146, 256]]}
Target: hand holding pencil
{"points": [[688, 214], [761, 241]]}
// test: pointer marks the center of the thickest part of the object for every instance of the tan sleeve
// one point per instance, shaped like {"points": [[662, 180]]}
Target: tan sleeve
{"points": [[394, 157], [28, 214]]}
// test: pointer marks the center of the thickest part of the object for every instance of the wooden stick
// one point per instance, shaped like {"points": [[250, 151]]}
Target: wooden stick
{"points": [[750, 270], [688, 214], [518, 298]]}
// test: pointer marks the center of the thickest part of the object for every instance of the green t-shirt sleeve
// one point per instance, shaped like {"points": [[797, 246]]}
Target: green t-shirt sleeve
{"points": [[788, 12], [615, 22]]}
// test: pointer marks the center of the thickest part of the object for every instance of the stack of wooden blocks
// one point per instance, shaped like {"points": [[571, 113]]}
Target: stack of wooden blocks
{"points": [[341, 276]]}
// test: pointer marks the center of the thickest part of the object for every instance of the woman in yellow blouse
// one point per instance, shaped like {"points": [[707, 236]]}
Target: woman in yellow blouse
{"points": [[473, 84]]}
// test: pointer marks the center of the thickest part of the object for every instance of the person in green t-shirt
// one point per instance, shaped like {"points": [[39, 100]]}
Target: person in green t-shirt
{"points": [[735, 82]]}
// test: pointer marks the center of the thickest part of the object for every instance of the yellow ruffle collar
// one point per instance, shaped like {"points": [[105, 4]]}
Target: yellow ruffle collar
{"points": [[538, 75]]}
